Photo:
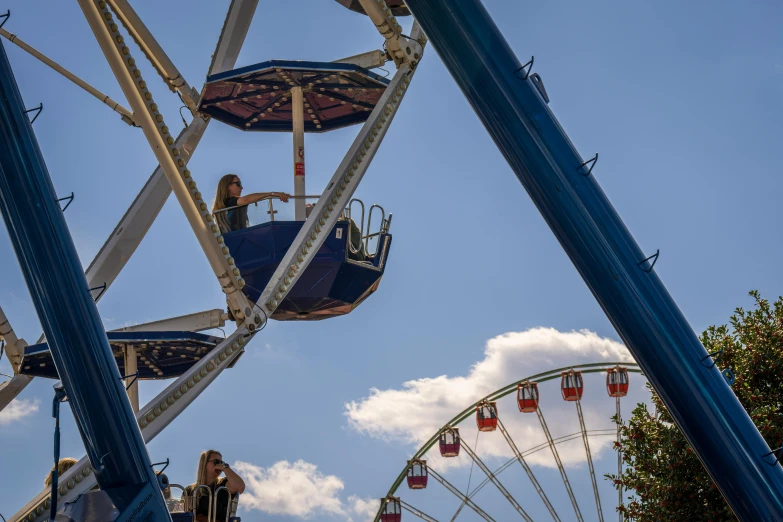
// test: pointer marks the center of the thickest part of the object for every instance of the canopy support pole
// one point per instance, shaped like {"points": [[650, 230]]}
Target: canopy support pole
{"points": [[297, 116]]}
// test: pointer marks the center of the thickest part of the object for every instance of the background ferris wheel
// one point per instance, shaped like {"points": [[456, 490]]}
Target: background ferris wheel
{"points": [[499, 459]]}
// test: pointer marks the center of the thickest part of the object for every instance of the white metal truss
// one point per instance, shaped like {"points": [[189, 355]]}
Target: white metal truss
{"points": [[457, 493], [559, 463], [197, 322], [491, 476], [155, 54], [124, 113], [527, 469], [368, 60], [101, 20], [589, 460], [232, 36]]}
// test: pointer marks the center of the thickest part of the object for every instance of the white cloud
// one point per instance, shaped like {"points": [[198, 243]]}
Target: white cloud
{"points": [[297, 490], [416, 411], [17, 410], [364, 508]]}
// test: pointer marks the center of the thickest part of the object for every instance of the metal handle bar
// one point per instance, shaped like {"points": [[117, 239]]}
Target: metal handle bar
{"points": [[228, 504]]}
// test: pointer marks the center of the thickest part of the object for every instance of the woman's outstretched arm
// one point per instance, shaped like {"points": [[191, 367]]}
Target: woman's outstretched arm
{"points": [[258, 196]]}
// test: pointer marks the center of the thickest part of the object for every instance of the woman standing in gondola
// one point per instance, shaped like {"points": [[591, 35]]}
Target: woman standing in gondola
{"points": [[229, 195], [210, 467]]}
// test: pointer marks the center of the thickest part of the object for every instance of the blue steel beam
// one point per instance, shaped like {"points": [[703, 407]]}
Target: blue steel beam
{"points": [[605, 254], [69, 317]]}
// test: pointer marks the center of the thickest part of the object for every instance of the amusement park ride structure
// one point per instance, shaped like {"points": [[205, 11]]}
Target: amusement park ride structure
{"points": [[302, 97]]}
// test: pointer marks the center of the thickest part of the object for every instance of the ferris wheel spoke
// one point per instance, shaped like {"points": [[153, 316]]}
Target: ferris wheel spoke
{"points": [[559, 464], [459, 510], [449, 486], [527, 469], [419, 513], [589, 460], [535, 449], [491, 476]]}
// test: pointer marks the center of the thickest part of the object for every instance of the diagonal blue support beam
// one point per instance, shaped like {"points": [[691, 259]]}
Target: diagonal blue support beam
{"points": [[70, 319], [515, 113]]}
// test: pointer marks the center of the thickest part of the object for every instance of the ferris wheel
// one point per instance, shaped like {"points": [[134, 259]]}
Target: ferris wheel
{"points": [[430, 465]]}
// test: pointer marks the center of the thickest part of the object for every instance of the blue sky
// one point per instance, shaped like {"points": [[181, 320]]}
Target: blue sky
{"points": [[682, 101]]}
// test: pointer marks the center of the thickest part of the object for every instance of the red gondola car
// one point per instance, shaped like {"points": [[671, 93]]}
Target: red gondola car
{"points": [[527, 396], [487, 416], [390, 509], [449, 442], [571, 385], [617, 381], [417, 474]]}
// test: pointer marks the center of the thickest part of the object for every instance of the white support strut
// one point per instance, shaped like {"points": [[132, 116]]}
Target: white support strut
{"points": [[368, 60], [197, 322], [232, 36], [124, 113], [155, 54], [101, 21]]}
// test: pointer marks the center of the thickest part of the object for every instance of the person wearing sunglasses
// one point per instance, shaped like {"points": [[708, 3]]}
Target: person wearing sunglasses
{"points": [[229, 195], [210, 467]]}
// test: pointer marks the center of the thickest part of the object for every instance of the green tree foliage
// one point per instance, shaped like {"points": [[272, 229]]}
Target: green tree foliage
{"points": [[662, 474]]}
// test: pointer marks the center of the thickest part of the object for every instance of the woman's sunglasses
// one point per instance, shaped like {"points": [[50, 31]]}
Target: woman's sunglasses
{"points": [[217, 462], [237, 183]]}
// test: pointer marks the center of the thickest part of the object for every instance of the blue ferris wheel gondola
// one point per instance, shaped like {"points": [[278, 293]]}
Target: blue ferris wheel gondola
{"points": [[336, 281], [261, 97]]}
